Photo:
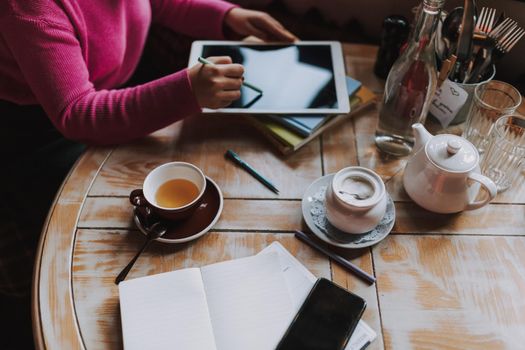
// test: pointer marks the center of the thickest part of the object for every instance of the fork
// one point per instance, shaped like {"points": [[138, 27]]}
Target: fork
{"points": [[485, 21], [507, 43], [499, 41], [483, 27], [502, 28]]}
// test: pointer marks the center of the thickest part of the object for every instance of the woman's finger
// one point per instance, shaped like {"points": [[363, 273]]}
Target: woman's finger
{"points": [[268, 25], [233, 70], [231, 84], [231, 95], [220, 59], [253, 30]]}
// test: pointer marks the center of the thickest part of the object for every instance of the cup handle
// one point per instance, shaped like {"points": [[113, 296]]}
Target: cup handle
{"points": [[488, 185], [136, 198]]}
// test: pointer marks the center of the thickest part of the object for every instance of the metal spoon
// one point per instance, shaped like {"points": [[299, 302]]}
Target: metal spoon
{"points": [[356, 195], [156, 230]]}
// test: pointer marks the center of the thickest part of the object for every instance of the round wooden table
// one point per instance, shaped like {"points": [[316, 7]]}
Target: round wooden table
{"points": [[443, 281]]}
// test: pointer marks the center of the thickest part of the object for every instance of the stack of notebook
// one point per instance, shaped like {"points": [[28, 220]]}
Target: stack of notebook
{"points": [[289, 133], [235, 305]]}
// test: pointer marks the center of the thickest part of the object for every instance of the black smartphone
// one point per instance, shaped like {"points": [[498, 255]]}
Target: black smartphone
{"points": [[326, 319]]}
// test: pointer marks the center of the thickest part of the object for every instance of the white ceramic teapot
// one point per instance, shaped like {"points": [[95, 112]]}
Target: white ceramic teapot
{"points": [[443, 174]]}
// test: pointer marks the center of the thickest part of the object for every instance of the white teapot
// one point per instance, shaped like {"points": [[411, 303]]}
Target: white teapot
{"points": [[443, 174]]}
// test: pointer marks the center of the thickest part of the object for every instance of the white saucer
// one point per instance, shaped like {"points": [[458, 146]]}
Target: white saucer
{"points": [[315, 218]]}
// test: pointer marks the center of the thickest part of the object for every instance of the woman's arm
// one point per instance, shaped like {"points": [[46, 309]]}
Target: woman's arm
{"points": [[196, 18], [216, 19], [50, 57]]}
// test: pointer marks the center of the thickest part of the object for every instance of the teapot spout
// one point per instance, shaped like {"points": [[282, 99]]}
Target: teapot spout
{"points": [[421, 136]]}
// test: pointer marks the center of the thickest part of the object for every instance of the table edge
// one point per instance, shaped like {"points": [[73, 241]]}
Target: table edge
{"points": [[81, 164]]}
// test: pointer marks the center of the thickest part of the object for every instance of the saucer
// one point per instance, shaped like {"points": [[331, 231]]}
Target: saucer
{"points": [[314, 214], [185, 230]]}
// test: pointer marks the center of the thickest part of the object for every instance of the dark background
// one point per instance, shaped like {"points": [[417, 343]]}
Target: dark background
{"points": [[359, 21]]}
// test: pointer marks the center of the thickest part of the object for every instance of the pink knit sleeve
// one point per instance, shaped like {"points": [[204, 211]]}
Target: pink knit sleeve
{"points": [[52, 63], [197, 18]]}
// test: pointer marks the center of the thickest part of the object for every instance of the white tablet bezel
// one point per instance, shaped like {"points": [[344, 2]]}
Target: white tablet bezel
{"points": [[338, 70]]}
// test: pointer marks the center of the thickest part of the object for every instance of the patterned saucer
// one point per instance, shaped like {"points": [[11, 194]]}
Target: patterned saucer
{"points": [[314, 214]]}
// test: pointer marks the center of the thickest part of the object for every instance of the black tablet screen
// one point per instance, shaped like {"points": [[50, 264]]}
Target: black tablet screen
{"points": [[290, 76]]}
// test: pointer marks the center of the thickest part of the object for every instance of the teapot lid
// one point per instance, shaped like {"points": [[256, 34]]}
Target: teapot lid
{"points": [[452, 153]]}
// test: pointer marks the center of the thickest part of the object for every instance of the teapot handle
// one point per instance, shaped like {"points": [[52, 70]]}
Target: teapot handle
{"points": [[490, 188]]}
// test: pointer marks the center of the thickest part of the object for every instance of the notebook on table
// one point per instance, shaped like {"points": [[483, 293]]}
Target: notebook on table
{"points": [[243, 304], [234, 305]]}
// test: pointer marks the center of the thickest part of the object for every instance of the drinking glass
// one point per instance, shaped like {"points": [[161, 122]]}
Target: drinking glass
{"points": [[504, 159], [492, 100]]}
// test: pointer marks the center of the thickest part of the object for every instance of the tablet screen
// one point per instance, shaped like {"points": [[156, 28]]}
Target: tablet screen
{"points": [[291, 77]]}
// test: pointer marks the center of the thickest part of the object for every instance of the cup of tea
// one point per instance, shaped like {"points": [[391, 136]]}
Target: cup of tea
{"points": [[172, 191]]}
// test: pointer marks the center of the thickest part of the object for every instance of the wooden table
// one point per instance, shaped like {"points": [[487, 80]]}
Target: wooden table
{"points": [[443, 281]]}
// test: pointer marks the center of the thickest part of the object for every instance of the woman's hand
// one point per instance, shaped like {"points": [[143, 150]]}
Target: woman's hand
{"points": [[240, 23], [217, 85]]}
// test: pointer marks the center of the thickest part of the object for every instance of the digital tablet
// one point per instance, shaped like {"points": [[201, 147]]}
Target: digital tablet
{"points": [[299, 78]]}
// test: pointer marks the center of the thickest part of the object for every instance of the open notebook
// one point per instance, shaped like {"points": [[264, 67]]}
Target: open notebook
{"points": [[233, 305], [238, 304]]}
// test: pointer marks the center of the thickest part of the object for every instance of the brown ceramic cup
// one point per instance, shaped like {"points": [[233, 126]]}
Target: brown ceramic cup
{"points": [[144, 198]]}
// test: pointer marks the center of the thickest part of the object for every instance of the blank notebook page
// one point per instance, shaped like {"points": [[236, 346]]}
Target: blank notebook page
{"points": [[166, 311], [248, 302]]}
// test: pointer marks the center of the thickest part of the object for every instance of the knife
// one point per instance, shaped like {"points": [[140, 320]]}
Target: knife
{"points": [[465, 35]]}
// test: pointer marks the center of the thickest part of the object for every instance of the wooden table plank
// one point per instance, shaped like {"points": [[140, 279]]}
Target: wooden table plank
{"points": [[269, 215], [359, 61], [339, 147], [493, 219], [238, 214], [363, 259], [454, 292], [202, 140]]}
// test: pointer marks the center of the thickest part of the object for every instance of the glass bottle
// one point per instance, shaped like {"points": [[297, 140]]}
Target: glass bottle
{"points": [[410, 85]]}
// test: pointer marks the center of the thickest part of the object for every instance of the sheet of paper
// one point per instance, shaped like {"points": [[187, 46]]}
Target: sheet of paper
{"points": [[300, 281], [447, 102], [166, 311], [248, 302]]}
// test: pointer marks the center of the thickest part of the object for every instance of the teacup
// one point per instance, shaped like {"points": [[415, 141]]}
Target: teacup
{"points": [[147, 198], [355, 200]]}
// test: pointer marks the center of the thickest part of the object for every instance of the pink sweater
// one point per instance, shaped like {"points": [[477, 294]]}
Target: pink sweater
{"points": [[70, 55]]}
